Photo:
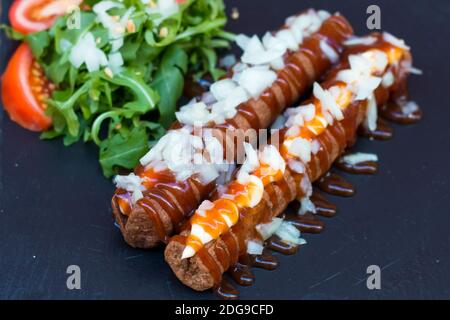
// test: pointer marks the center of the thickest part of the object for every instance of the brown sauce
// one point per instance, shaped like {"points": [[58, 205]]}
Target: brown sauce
{"points": [[211, 264], [275, 244], [264, 261], [367, 167], [336, 185], [226, 291], [383, 132], [241, 274], [324, 207], [307, 223], [393, 112]]}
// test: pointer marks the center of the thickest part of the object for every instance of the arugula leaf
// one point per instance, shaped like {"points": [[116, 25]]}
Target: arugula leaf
{"points": [[146, 98], [38, 42], [169, 82], [123, 151]]}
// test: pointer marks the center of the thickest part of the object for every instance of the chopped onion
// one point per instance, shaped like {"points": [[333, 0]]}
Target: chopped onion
{"points": [[242, 41], [221, 89], [250, 164], [306, 205], [328, 50], [266, 230], [256, 80], [395, 41], [409, 108], [254, 247], [372, 114], [289, 233], [256, 54], [315, 146], [327, 101], [257, 191], [288, 38], [388, 80], [300, 148], [131, 183], [194, 114], [235, 97], [86, 51], [271, 156], [359, 157], [115, 62], [296, 166], [366, 41]]}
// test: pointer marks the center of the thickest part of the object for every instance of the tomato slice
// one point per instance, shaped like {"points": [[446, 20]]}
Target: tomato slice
{"points": [[29, 16], [25, 90]]}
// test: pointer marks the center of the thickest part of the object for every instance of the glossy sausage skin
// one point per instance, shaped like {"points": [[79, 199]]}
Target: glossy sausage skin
{"points": [[168, 203], [205, 269]]}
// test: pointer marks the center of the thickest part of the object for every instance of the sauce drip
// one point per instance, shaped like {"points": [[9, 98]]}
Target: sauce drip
{"points": [[226, 291], [336, 185], [264, 261], [307, 223], [324, 207], [393, 112], [241, 274], [383, 132], [275, 244], [367, 167]]}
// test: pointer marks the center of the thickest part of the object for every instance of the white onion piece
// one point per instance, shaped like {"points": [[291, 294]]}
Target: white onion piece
{"points": [[251, 162], [331, 54], [131, 183], [372, 114], [409, 108], [86, 51], [328, 102], [271, 156], [165, 8], [288, 38], [359, 157], [277, 64], [306, 205], [296, 166], [242, 41], [235, 97], [194, 114], [388, 80], [315, 146], [115, 62], [366, 41], [222, 88], [255, 80], [256, 54], [300, 148], [289, 234], [266, 230], [254, 247], [395, 41]]}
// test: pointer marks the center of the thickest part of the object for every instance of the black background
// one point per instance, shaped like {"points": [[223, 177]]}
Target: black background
{"points": [[55, 203]]}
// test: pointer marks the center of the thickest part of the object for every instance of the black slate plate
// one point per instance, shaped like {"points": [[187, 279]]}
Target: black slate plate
{"points": [[55, 211]]}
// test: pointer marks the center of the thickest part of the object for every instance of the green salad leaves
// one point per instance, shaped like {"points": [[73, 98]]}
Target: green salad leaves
{"points": [[127, 104]]}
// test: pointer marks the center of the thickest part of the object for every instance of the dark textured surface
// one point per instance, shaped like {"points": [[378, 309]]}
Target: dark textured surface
{"points": [[54, 208]]}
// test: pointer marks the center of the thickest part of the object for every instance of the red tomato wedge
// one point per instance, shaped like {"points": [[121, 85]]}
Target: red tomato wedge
{"points": [[25, 90], [27, 16]]}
